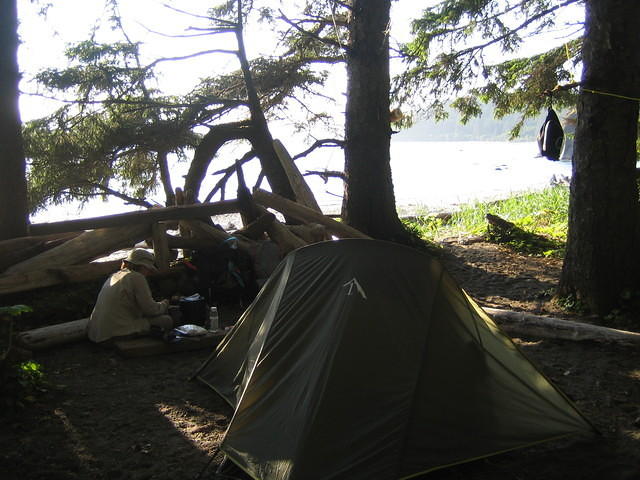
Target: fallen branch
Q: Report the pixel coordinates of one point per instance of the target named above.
(522, 323)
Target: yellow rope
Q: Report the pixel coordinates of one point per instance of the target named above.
(597, 92)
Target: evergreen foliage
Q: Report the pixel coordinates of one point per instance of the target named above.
(465, 52)
(114, 132)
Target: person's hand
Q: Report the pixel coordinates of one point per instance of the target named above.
(165, 302)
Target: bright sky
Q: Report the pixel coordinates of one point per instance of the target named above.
(67, 21)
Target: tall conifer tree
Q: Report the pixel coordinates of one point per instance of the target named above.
(13, 186)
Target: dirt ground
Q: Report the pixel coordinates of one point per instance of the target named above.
(108, 417)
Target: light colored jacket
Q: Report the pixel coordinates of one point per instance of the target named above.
(122, 308)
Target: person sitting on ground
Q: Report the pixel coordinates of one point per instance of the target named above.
(125, 306)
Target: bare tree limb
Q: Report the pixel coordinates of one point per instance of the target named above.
(195, 15)
(327, 142)
(193, 55)
(512, 31)
(227, 174)
(205, 33)
(326, 174)
(123, 196)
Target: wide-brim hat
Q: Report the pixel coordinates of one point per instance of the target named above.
(143, 258)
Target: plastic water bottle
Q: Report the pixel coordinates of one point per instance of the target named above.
(214, 321)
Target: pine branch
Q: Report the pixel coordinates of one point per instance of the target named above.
(327, 142)
(513, 31)
(123, 196)
(326, 41)
(326, 174)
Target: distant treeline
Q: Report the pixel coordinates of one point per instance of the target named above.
(483, 128)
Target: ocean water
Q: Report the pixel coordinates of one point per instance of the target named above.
(437, 176)
(427, 176)
(441, 175)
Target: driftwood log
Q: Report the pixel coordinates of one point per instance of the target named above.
(500, 224)
(304, 195)
(255, 230)
(310, 233)
(519, 323)
(246, 207)
(160, 246)
(53, 335)
(215, 235)
(522, 323)
(305, 214)
(190, 243)
(280, 234)
(136, 218)
(83, 248)
(25, 281)
(19, 249)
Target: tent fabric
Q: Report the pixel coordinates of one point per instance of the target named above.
(363, 359)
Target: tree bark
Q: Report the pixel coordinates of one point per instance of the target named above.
(13, 184)
(369, 202)
(602, 247)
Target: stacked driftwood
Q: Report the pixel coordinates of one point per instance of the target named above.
(64, 252)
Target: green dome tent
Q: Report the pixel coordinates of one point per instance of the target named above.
(363, 359)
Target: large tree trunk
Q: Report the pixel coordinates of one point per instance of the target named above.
(602, 247)
(13, 185)
(369, 202)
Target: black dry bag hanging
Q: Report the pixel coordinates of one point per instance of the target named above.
(551, 136)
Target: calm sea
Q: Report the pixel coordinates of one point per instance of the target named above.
(427, 176)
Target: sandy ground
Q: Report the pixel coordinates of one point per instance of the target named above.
(103, 416)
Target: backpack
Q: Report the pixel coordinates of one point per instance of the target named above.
(551, 136)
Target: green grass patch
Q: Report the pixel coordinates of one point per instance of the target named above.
(540, 217)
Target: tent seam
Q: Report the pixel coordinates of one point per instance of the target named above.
(422, 367)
